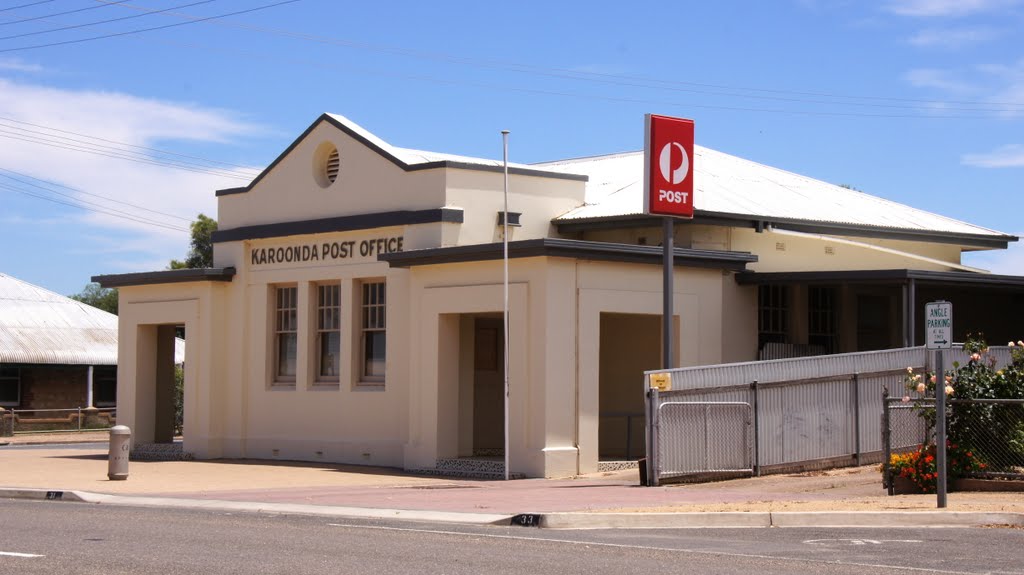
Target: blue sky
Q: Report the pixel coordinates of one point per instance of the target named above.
(918, 101)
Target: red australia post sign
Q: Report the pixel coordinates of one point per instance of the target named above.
(668, 166)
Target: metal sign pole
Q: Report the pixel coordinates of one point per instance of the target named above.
(667, 289)
(940, 428)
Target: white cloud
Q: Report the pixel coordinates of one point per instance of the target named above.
(945, 80)
(131, 120)
(1009, 156)
(952, 38)
(946, 8)
(18, 65)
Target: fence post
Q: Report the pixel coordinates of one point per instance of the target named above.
(886, 441)
(856, 417)
(757, 444)
(653, 463)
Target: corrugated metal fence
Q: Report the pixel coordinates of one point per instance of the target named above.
(807, 413)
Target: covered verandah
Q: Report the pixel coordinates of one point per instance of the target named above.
(862, 310)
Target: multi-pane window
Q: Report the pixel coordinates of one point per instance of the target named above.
(772, 314)
(104, 386)
(286, 336)
(328, 331)
(821, 318)
(373, 338)
(10, 386)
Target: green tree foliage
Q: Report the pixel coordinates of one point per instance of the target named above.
(98, 297)
(200, 254)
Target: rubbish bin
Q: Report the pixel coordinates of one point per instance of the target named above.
(117, 461)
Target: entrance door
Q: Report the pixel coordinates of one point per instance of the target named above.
(488, 387)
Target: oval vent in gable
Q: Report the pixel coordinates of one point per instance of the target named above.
(326, 164)
(333, 163)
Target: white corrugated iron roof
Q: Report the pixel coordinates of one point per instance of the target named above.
(38, 326)
(726, 184)
(415, 157)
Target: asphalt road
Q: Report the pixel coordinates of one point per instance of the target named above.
(74, 538)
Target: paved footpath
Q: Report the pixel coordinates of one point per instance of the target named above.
(842, 496)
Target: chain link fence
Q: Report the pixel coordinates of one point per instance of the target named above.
(985, 437)
(696, 441)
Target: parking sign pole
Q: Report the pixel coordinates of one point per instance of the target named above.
(940, 428)
(938, 329)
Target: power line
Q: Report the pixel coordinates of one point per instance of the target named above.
(45, 16)
(98, 211)
(139, 31)
(25, 5)
(617, 79)
(98, 22)
(586, 96)
(36, 140)
(109, 210)
(146, 148)
(86, 146)
(81, 191)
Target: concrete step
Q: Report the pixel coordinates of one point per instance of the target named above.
(160, 452)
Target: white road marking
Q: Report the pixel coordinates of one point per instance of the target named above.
(859, 541)
(13, 554)
(650, 548)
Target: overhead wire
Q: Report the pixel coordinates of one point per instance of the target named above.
(94, 210)
(43, 137)
(29, 138)
(125, 144)
(65, 13)
(108, 21)
(154, 28)
(81, 191)
(9, 8)
(619, 79)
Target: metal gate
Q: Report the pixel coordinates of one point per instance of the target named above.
(689, 438)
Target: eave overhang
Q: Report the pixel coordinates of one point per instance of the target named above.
(981, 241)
(165, 277)
(575, 249)
(891, 276)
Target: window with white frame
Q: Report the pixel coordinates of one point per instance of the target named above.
(286, 335)
(328, 331)
(10, 387)
(373, 339)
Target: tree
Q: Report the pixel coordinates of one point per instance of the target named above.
(200, 254)
(98, 297)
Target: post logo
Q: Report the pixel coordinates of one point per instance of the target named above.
(677, 174)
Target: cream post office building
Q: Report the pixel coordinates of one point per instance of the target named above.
(355, 310)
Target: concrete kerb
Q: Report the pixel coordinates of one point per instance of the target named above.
(574, 520)
(258, 507)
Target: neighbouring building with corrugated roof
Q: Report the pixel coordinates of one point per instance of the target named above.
(355, 310)
(55, 352)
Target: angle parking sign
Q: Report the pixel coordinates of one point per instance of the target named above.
(938, 324)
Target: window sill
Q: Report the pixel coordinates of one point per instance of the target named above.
(282, 386)
(369, 386)
(325, 386)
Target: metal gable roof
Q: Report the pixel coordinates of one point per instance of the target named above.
(38, 326)
(731, 186)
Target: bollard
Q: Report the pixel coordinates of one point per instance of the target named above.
(117, 462)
